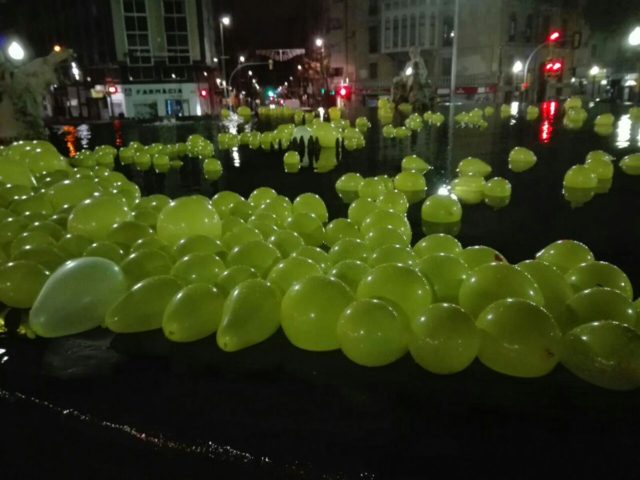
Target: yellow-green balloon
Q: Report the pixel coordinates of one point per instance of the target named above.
(310, 311)
(198, 267)
(308, 226)
(349, 272)
(565, 254)
(96, 216)
(20, 283)
(473, 166)
(292, 270)
(251, 314)
(437, 243)
(445, 274)
(497, 192)
(469, 189)
(257, 254)
(145, 263)
(77, 297)
(188, 216)
(480, 255)
(193, 313)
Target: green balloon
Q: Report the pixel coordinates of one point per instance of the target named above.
(398, 254)
(519, 338)
(199, 244)
(36, 203)
(315, 254)
(261, 196)
(394, 201)
(630, 164)
(440, 208)
(310, 311)
(234, 276)
(146, 263)
(193, 313)
(350, 272)
(96, 216)
(142, 308)
(49, 228)
(76, 297)
(292, 270)
(71, 192)
(188, 216)
(224, 201)
(360, 209)
(20, 283)
(129, 232)
(469, 189)
(199, 267)
(30, 239)
(338, 229)
(47, 256)
(212, 169)
(308, 226)
(473, 166)
(291, 162)
(600, 164)
(372, 333)
(312, 204)
(399, 284)
(286, 242)
(385, 218)
(280, 207)
(73, 245)
(105, 249)
(480, 255)
(257, 254)
(599, 274)
(153, 243)
(413, 163)
(491, 282)
(497, 192)
(444, 340)
(604, 353)
(445, 273)
(156, 202)
(437, 243)
(565, 255)
(251, 314)
(349, 249)
(382, 236)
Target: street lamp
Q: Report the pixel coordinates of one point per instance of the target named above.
(319, 42)
(15, 51)
(517, 67)
(241, 59)
(634, 37)
(250, 73)
(595, 70)
(225, 21)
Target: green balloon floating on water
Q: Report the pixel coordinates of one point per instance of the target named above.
(20, 283)
(96, 216)
(251, 314)
(76, 297)
(193, 313)
(188, 216)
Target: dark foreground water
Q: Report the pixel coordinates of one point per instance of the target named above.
(136, 406)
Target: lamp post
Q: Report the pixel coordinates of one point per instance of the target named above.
(225, 21)
(553, 37)
(320, 44)
(516, 69)
(595, 70)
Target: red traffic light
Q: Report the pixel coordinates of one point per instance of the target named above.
(554, 36)
(204, 93)
(112, 89)
(345, 92)
(553, 67)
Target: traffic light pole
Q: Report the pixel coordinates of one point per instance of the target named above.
(526, 68)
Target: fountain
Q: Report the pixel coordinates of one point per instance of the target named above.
(412, 85)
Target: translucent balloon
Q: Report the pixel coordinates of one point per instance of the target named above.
(188, 216)
(388, 131)
(47, 256)
(579, 185)
(338, 229)
(350, 272)
(473, 166)
(630, 164)
(599, 303)
(518, 338)
(565, 254)
(445, 274)
(96, 216)
(251, 314)
(312, 204)
(143, 307)
(199, 267)
(497, 192)
(310, 311)
(601, 166)
(291, 162)
(212, 169)
(234, 276)
(145, 263)
(326, 134)
(441, 209)
(411, 184)
(280, 207)
(76, 297)
(437, 243)
(193, 313)
(444, 340)
(360, 209)
(257, 254)
(599, 274)
(73, 245)
(469, 189)
(198, 244)
(349, 249)
(385, 218)
(348, 186)
(491, 282)
(604, 353)
(71, 192)
(30, 239)
(308, 227)
(399, 284)
(105, 249)
(153, 243)
(371, 188)
(394, 201)
(129, 232)
(413, 163)
(372, 333)
(292, 270)
(20, 283)
(555, 289)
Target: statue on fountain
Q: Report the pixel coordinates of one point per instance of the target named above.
(22, 89)
(413, 85)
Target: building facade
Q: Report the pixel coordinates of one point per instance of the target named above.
(369, 43)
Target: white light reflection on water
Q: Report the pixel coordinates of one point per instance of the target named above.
(235, 154)
(83, 132)
(3, 357)
(623, 132)
(515, 107)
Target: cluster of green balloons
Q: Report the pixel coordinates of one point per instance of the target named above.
(582, 182)
(473, 118)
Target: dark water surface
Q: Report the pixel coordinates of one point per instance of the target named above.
(140, 407)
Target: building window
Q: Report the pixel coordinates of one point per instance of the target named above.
(373, 71)
(513, 25)
(446, 67)
(136, 32)
(447, 31)
(412, 30)
(176, 32)
(373, 39)
(387, 6)
(404, 31)
(396, 32)
(373, 8)
(387, 33)
(528, 28)
(432, 30)
(422, 29)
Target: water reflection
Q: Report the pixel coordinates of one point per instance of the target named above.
(69, 132)
(549, 109)
(623, 132)
(117, 131)
(84, 134)
(235, 155)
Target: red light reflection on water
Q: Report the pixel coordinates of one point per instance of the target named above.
(549, 109)
(117, 130)
(70, 139)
